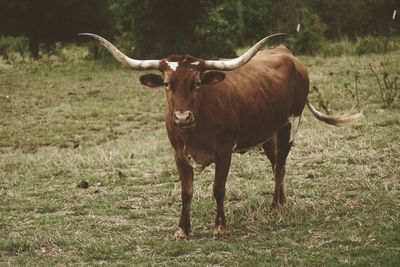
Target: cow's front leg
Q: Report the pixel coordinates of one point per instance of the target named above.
(222, 165)
(186, 176)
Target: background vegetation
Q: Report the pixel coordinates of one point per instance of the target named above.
(204, 28)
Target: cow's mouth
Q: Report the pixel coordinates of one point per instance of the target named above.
(186, 125)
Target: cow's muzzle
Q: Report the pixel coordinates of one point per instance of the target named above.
(183, 119)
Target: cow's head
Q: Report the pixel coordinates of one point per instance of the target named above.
(183, 77)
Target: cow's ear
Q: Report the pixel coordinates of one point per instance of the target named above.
(212, 77)
(151, 80)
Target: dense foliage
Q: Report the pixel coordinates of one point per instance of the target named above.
(158, 28)
(48, 21)
(205, 28)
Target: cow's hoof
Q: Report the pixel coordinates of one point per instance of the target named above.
(276, 206)
(219, 231)
(273, 208)
(180, 234)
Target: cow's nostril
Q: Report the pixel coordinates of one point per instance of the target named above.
(184, 118)
(175, 115)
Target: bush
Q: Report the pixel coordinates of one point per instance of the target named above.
(368, 45)
(363, 45)
(338, 48)
(9, 44)
(310, 38)
(306, 42)
(217, 35)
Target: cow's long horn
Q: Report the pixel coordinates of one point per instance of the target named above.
(123, 59)
(243, 59)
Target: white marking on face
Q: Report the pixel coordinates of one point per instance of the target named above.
(172, 65)
(195, 63)
(294, 125)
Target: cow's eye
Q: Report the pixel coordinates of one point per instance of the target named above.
(198, 84)
(166, 85)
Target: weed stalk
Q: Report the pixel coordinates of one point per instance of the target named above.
(388, 92)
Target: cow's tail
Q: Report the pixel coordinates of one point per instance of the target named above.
(337, 120)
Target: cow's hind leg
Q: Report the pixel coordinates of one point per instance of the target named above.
(269, 149)
(277, 150)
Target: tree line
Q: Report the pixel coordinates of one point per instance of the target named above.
(204, 28)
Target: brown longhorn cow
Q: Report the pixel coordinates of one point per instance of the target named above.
(217, 107)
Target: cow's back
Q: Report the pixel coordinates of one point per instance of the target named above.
(257, 99)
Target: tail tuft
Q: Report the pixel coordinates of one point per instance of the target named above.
(336, 120)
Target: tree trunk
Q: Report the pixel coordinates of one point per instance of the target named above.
(96, 52)
(239, 10)
(34, 47)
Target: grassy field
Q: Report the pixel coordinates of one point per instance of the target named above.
(62, 123)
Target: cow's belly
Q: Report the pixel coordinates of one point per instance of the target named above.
(244, 147)
(258, 132)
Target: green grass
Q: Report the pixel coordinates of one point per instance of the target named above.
(66, 122)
